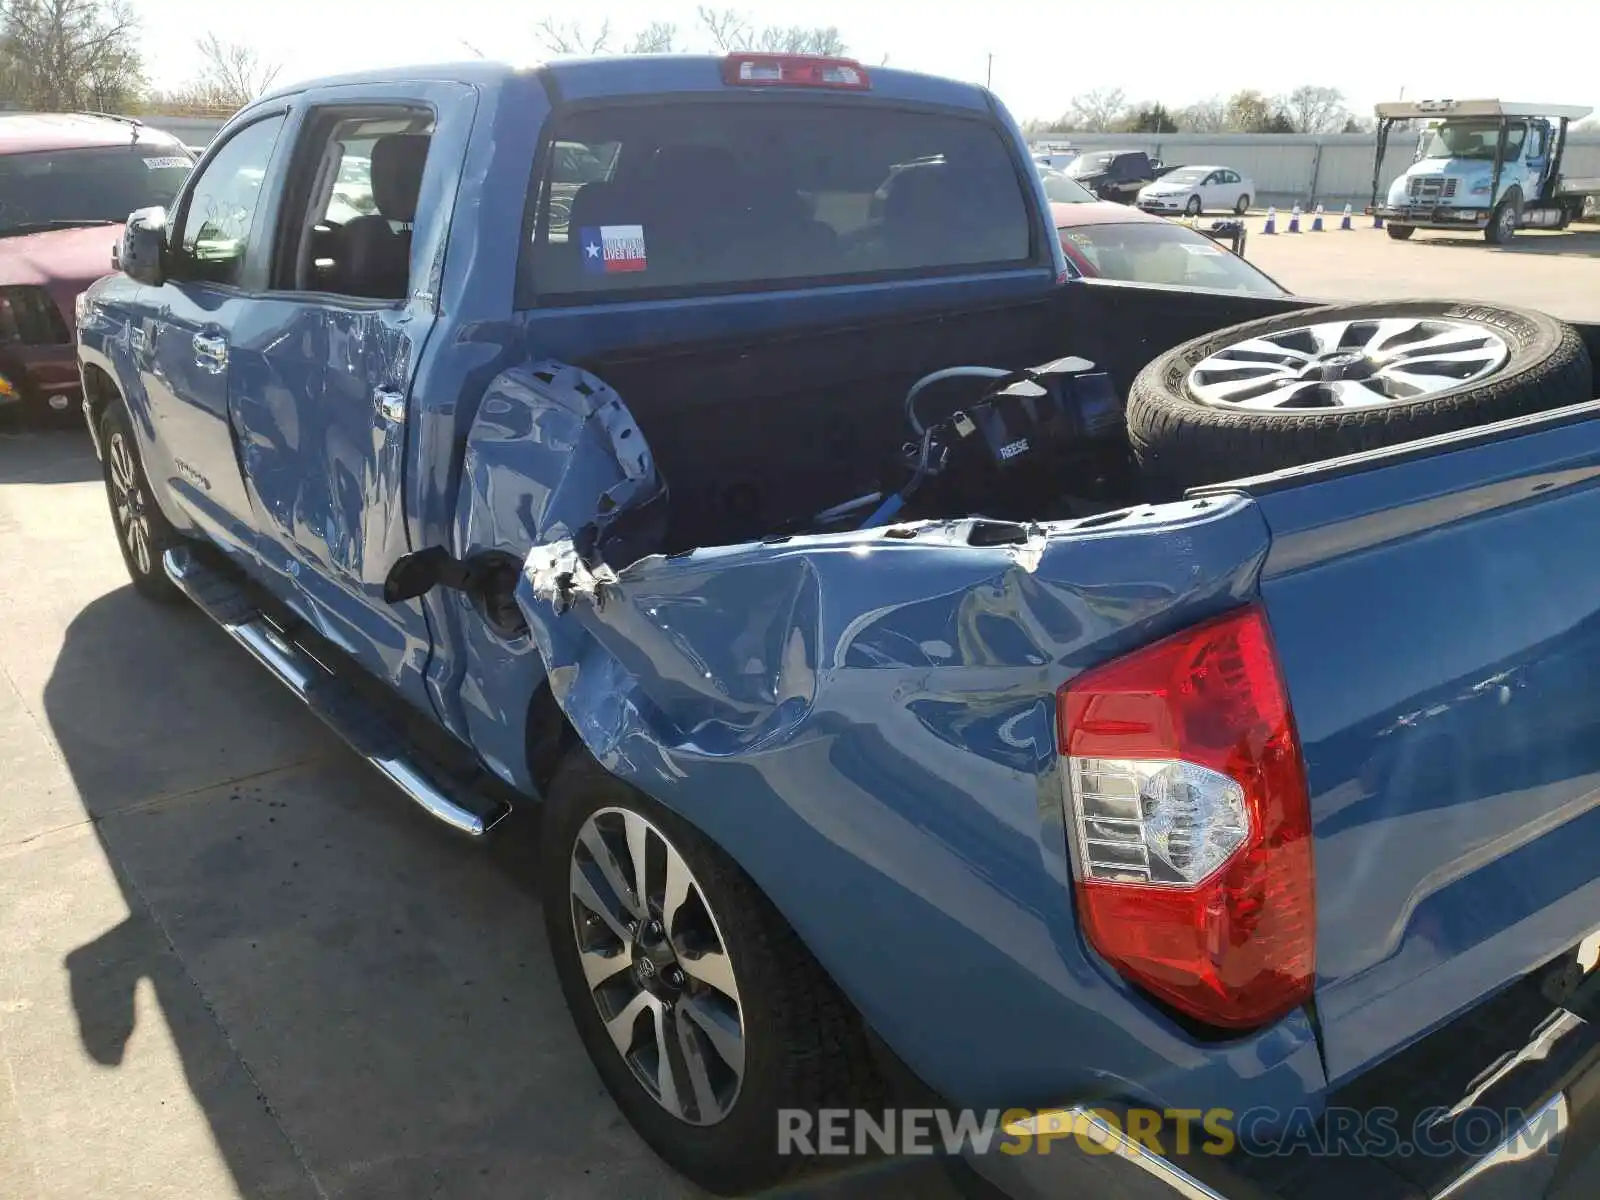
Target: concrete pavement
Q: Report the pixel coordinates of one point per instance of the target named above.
(1556, 272)
(233, 961)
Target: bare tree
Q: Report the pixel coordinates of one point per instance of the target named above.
(727, 29)
(1204, 116)
(1097, 111)
(69, 54)
(232, 73)
(568, 39)
(658, 37)
(797, 39)
(1316, 109)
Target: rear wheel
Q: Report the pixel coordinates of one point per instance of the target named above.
(1243, 206)
(143, 533)
(703, 1012)
(1400, 233)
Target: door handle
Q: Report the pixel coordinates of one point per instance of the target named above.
(391, 404)
(210, 352)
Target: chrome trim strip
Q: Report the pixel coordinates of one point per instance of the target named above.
(296, 671)
(1179, 1182)
(1507, 1172)
(94, 431)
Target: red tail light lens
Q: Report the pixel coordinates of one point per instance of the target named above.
(794, 70)
(1190, 824)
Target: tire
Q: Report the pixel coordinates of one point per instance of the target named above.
(1193, 207)
(1401, 233)
(803, 1045)
(1502, 225)
(143, 533)
(1242, 207)
(1181, 440)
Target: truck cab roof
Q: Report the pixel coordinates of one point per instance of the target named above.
(646, 74)
(1400, 110)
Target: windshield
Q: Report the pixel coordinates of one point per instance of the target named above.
(1060, 189)
(46, 189)
(1090, 164)
(1473, 139)
(1185, 175)
(1161, 252)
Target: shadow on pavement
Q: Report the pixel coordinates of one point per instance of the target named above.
(360, 999)
(1574, 243)
(45, 451)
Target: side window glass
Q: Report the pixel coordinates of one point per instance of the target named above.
(1536, 143)
(222, 205)
(358, 179)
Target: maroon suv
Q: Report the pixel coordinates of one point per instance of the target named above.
(67, 183)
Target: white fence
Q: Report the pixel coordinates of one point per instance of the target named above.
(193, 131)
(1291, 168)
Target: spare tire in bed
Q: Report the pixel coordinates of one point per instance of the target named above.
(1342, 378)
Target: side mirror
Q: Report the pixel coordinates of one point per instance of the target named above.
(144, 245)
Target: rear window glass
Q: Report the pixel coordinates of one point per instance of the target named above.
(706, 197)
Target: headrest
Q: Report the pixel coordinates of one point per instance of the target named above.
(397, 161)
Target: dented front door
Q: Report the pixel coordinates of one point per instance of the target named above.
(321, 390)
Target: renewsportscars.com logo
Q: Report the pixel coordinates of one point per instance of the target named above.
(1169, 1133)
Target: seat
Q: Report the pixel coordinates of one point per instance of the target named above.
(940, 213)
(374, 259)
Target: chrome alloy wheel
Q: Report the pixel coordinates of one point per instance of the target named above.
(128, 503)
(656, 965)
(1348, 364)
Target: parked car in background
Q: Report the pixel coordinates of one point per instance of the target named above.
(1199, 189)
(1109, 241)
(1055, 157)
(1061, 188)
(67, 184)
(1115, 174)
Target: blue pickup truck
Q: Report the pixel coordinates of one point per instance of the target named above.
(937, 681)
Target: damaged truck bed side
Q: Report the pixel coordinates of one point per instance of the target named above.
(620, 446)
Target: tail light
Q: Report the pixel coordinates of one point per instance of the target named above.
(1191, 829)
(795, 70)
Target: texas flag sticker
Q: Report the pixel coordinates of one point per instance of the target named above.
(610, 248)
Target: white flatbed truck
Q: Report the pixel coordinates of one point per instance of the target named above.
(1491, 165)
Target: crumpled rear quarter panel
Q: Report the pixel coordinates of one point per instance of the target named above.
(866, 724)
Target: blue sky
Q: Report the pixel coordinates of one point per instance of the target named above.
(1044, 53)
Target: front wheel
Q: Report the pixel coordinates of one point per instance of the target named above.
(703, 1012)
(143, 533)
(1193, 207)
(1502, 225)
(1401, 233)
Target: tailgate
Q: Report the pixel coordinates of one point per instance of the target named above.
(1437, 614)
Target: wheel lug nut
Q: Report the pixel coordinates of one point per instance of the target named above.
(674, 976)
(654, 929)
